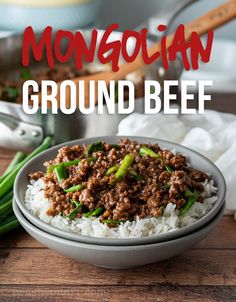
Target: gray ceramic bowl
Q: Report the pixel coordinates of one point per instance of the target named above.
(116, 257)
(198, 161)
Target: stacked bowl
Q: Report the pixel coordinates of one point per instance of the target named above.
(111, 252)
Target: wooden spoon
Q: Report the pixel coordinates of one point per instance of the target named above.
(212, 20)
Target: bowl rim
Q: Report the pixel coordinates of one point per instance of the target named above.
(28, 225)
(120, 241)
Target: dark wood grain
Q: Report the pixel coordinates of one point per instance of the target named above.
(196, 267)
(31, 272)
(158, 293)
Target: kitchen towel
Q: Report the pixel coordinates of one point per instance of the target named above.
(212, 134)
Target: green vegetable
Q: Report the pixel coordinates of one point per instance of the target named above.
(7, 184)
(4, 217)
(115, 146)
(94, 147)
(3, 176)
(166, 186)
(5, 207)
(96, 212)
(147, 151)
(25, 74)
(169, 169)
(135, 175)
(76, 203)
(8, 220)
(124, 167)
(12, 93)
(6, 212)
(74, 188)
(91, 159)
(9, 225)
(66, 164)
(192, 198)
(111, 170)
(74, 213)
(50, 169)
(110, 221)
(72, 163)
(16, 160)
(61, 172)
(6, 197)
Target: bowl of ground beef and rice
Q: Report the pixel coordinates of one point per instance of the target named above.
(120, 191)
(119, 256)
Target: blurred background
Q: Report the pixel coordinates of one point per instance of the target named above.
(74, 14)
(87, 14)
(222, 69)
(131, 13)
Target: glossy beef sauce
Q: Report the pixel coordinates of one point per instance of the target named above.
(119, 182)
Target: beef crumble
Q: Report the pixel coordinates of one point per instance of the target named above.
(119, 182)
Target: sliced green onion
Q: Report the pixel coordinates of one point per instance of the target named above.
(12, 93)
(189, 193)
(147, 151)
(66, 164)
(77, 204)
(166, 186)
(91, 159)
(192, 198)
(123, 169)
(169, 169)
(25, 74)
(96, 212)
(115, 146)
(94, 147)
(61, 172)
(74, 188)
(135, 175)
(74, 212)
(7, 184)
(50, 169)
(111, 170)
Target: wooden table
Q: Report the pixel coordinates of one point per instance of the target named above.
(31, 272)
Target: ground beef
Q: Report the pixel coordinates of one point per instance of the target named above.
(149, 185)
(36, 175)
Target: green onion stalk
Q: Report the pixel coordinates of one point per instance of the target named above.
(8, 220)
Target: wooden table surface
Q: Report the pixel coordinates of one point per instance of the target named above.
(31, 272)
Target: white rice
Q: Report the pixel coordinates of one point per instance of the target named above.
(38, 205)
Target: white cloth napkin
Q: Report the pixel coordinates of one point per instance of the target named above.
(213, 134)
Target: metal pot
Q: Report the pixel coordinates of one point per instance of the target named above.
(22, 131)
